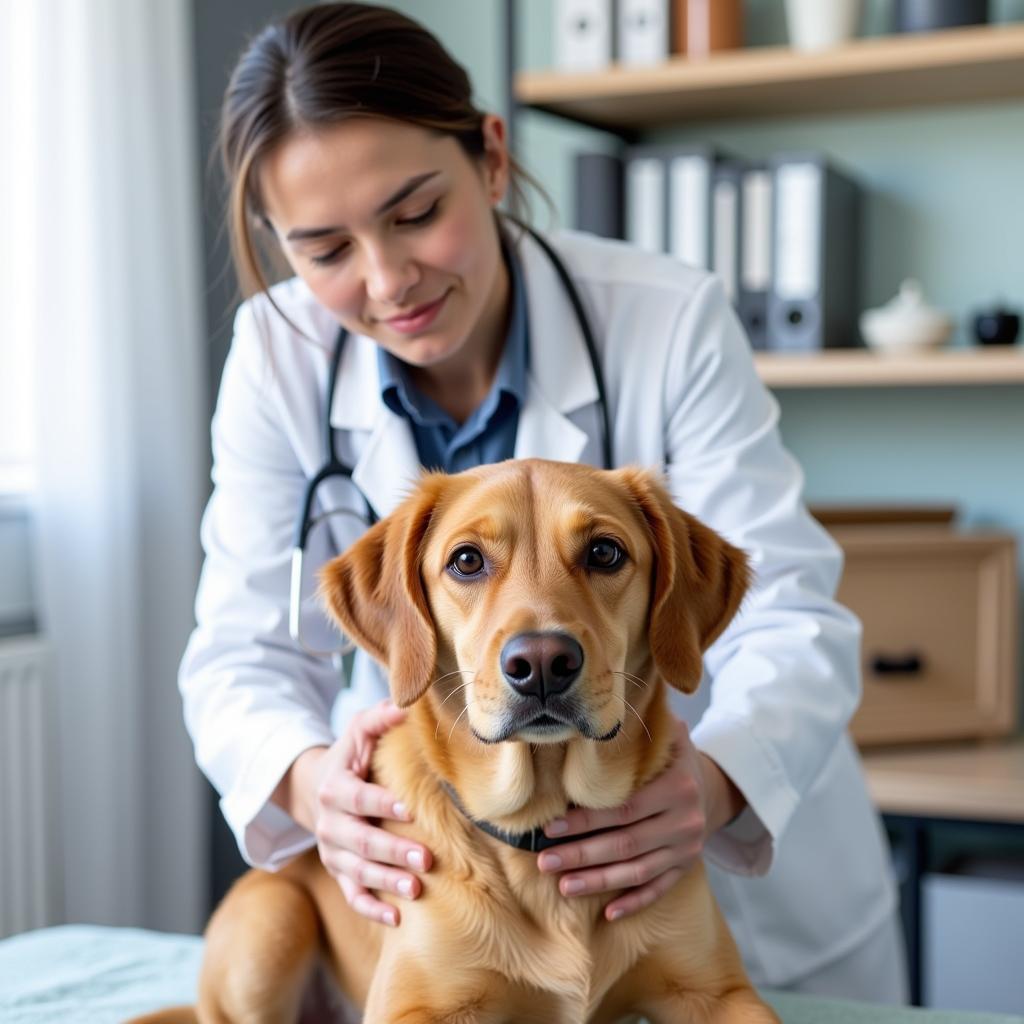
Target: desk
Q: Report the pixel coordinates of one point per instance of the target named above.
(978, 785)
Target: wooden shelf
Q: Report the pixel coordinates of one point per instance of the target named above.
(957, 65)
(845, 368)
(980, 782)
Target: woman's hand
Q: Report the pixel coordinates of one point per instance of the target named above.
(361, 856)
(661, 833)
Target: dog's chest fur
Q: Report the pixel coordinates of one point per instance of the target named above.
(501, 912)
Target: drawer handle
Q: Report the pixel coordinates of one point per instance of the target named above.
(890, 665)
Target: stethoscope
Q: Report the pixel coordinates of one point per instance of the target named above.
(334, 467)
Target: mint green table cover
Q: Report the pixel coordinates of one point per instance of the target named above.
(84, 974)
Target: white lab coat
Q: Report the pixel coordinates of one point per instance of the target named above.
(683, 395)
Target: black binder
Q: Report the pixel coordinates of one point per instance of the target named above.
(599, 199)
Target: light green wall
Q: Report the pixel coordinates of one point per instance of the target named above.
(945, 203)
(471, 31)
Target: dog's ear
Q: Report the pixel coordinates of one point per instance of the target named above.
(699, 580)
(375, 592)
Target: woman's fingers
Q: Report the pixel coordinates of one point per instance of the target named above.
(660, 815)
(370, 843)
(582, 819)
(365, 728)
(630, 874)
(362, 857)
(352, 795)
(345, 825)
(637, 899)
(649, 842)
(674, 788)
(365, 903)
(370, 875)
(376, 720)
(679, 832)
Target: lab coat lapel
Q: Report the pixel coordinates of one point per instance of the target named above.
(544, 433)
(561, 378)
(387, 464)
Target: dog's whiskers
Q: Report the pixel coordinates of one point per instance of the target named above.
(456, 722)
(452, 694)
(643, 724)
(454, 672)
(635, 680)
(456, 690)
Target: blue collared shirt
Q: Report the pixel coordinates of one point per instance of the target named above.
(489, 434)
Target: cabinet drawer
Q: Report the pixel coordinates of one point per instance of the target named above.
(939, 610)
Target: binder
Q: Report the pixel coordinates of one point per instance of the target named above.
(644, 31)
(646, 200)
(703, 27)
(691, 171)
(814, 298)
(599, 199)
(669, 200)
(584, 31)
(726, 221)
(755, 252)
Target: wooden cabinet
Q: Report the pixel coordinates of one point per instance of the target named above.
(973, 782)
(939, 611)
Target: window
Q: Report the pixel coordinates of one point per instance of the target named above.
(16, 447)
(18, 120)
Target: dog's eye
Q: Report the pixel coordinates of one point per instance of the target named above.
(466, 561)
(604, 554)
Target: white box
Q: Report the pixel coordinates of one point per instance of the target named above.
(643, 32)
(584, 31)
(972, 955)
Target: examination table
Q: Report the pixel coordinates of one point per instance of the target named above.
(84, 974)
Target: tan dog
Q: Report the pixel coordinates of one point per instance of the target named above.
(528, 613)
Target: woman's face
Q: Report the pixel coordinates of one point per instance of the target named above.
(391, 227)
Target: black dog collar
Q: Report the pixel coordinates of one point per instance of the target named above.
(533, 841)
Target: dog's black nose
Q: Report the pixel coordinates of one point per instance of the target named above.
(541, 664)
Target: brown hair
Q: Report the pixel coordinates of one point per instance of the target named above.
(325, 64)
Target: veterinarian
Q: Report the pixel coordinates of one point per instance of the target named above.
(355, 154)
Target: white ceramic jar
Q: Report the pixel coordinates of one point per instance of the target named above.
(821, 24)
(906, 323)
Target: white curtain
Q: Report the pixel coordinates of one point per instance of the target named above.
(110, 265)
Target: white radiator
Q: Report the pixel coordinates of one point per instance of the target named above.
(26, 821)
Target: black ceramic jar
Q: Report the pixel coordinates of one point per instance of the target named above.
(997, 327)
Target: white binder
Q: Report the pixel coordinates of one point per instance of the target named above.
(691, 180)
(798, 232)
(814, 298)
(756, 253)
(584, 31)
(643, 31)
(645, 202)
(669, 201)
(726, 214)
